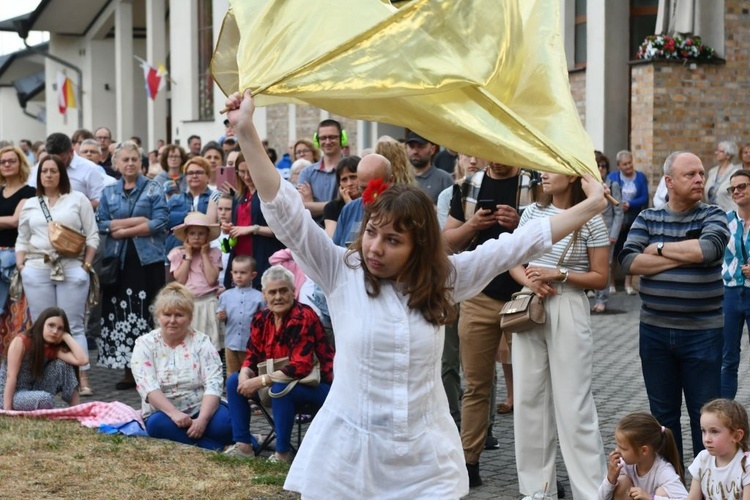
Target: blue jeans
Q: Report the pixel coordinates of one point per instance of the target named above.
(284, 410)
(736, 314)
(217, 435)
(676, 361)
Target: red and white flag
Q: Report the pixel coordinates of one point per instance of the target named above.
(66, 96)
(155, 78)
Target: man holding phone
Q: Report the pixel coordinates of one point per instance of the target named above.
(736, 274)
(678, 251)
(484, 206)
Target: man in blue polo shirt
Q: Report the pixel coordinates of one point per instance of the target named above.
(317, 182)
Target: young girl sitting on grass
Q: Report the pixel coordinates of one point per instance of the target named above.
(645, 465)
(721, 471)
(196, 265)
(39, 364)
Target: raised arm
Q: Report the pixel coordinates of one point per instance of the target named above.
(265, 176)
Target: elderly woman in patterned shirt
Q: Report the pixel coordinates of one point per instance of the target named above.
(178, 374)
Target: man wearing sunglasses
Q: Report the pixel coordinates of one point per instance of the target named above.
(678, 251)
(736, 274)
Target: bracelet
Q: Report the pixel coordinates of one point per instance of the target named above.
(88, 266)
(263, 381)
(185, 257)
(255, 229)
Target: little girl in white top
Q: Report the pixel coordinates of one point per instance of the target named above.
(645, 464)
(721, 471)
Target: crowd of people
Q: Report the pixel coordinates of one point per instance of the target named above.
(234, 281)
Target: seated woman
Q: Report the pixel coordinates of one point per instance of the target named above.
(178, 374)
(39, 365)
(284, 328)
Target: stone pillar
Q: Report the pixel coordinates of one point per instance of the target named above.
(607, 76)
(156, 54)
(124, 64)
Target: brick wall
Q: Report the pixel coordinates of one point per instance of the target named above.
(693, 107)
(277, 123)
(307, 119)
(578, 90)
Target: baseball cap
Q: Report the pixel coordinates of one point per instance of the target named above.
(414, 137)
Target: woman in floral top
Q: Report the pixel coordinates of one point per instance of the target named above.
(178, 374)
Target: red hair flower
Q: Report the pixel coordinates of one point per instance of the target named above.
(374, 189)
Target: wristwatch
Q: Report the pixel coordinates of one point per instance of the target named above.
(660, 248)
(564, 272)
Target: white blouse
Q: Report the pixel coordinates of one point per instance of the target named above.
(385, 430)
(72, 209)
(184, 373)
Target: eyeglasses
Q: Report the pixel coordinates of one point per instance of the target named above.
(175, 157)
(324, 138)
(739, 187)
(9, 161)
(195, 173)
(301, 152)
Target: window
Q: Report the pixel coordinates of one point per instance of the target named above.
(205, 50)
(642, 22)
(579, 35)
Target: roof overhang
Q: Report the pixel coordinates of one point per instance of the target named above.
(30, 88)
(22, 63)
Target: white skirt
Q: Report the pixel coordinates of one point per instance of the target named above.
(204, 319)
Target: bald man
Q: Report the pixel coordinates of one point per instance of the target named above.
(372, 166)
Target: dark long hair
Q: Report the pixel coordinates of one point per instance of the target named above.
(642, 429)
(428, 274)
(348, 163)
(36, 334)
(63, 185)
(578, 196)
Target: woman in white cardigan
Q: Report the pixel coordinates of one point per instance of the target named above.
(49, 279)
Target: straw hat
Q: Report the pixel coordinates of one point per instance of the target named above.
(199, 220)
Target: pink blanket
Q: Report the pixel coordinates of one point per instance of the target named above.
(91, 414)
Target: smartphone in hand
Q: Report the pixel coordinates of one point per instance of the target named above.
(487, 205)
(226, 174)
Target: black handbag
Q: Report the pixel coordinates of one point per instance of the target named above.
(110, 268)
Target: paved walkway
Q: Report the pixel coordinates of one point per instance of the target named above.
(618, 390)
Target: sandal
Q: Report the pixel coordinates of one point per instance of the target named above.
(598, 308)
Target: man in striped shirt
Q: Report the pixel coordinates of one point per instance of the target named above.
(678, 251)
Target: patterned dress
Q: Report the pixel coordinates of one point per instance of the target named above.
(127, 309)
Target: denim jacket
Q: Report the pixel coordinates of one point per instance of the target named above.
(150, 203)
(182, 203)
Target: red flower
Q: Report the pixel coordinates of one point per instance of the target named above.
(374, 189)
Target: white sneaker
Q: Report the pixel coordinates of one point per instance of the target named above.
(236, 452)
(590, 294)
(612, 290)
(629, 290)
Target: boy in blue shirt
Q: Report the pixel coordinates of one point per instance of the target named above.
(237, 306)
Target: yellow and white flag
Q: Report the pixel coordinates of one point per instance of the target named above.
(484, 77)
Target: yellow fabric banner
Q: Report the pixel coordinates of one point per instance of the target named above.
(484, 77)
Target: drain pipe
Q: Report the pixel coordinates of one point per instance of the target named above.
(31, 114)
(77, 71)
